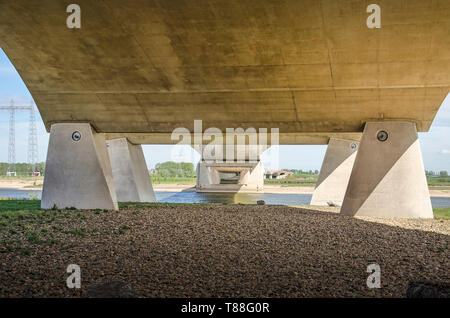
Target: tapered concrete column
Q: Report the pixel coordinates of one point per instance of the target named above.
(335, 172)
(206, 175)
(130, 173)
(78, 172)
(253, 178)
(388, 177)
(230, 177)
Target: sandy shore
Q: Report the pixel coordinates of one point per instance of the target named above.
(27, 184)
(174, 187)
(21, 184)
(440, 193)
(269, 189)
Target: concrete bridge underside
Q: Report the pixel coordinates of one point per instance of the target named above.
(139, 69)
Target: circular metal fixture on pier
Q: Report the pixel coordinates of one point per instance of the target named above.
(76, 136)
(382, 135)
(353, 145)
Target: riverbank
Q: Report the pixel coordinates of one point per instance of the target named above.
(267, 189)
(275, 189)
(25, 183)
(28, 184)
(214, 250)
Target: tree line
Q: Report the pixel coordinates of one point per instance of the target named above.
(170, 169)
(301, 172)
(442, 174)
(22, 169)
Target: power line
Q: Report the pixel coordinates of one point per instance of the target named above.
(33, 155)
(12, 141)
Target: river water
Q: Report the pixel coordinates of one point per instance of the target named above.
(194, 197)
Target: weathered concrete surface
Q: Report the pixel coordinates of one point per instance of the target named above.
(210, 177)
(335, 172)
(388, 177)
(77, 173)
(147, 67)
(131, 178)
(206, 175)
(283, 138)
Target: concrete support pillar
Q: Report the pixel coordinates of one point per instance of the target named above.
(206, 175)
(130, 173)
(230, 177)
(388, 177)
(335, 172)
(78, 171)
(253, 178)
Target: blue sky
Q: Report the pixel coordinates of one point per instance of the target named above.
(435, 144)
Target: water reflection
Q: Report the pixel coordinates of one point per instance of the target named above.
(230, 198)
(243, 198)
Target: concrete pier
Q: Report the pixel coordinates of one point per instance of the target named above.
(230, 177)
(335, 172)
(131, 178)
(388, 176)
(78, 171)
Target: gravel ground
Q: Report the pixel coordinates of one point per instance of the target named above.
(220, 251)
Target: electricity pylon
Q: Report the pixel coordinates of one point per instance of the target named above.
(32, 137)
(33, 154)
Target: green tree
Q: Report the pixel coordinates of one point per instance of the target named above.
(22, 169)
(443, 174)
(170, 169)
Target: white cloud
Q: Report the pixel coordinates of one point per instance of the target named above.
(445, 151)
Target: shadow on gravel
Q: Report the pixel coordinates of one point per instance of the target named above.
(211, 250)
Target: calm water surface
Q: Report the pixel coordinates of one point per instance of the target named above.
(193, 197)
